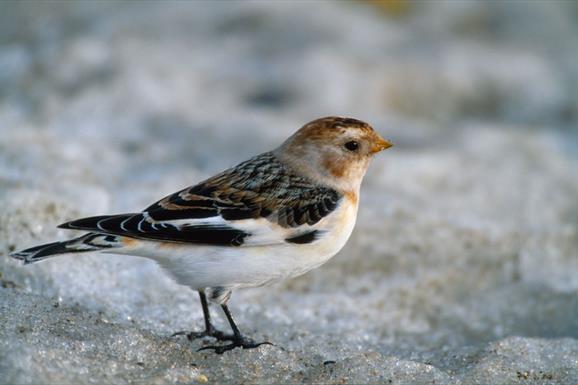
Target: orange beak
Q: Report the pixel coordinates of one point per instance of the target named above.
(380, 144)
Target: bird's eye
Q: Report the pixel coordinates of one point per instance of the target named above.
(351, 145)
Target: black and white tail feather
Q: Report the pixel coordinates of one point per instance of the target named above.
(85, 243)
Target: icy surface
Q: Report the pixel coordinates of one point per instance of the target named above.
(462, 267)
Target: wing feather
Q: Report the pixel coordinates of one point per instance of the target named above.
(258, 202)
(137, 226)
(258, 188)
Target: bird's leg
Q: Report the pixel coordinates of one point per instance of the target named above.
(238, 339)
(210, 330)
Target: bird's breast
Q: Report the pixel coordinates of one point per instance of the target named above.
(295, 259)
(336, 229)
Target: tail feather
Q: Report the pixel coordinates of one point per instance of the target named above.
(86, 243)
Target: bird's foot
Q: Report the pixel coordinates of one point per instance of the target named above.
(212, 332)
(245, 343)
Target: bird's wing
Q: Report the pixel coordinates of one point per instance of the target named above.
(255, 203)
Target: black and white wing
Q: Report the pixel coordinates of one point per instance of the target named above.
(258, 202)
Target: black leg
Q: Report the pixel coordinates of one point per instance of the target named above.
(232, 322)
(238, 340)
(210, 330)
(206, 312)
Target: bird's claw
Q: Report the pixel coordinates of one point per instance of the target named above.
(244, 343)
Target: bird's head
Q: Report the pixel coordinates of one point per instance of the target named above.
(335, 151)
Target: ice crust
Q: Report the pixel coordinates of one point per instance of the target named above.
(462, 267)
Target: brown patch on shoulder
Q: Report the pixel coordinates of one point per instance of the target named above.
(351, 196)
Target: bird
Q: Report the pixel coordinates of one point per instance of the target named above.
(272, 217)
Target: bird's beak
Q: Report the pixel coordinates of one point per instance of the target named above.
(380, 144)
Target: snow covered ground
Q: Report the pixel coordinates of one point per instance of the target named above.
(463, 265)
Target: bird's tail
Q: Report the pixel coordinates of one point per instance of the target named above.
(88, 242)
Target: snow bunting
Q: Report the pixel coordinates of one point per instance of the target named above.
(272, 217)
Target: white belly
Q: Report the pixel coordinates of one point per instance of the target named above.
(200, 267)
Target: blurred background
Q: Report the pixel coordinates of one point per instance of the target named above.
(467, 234)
